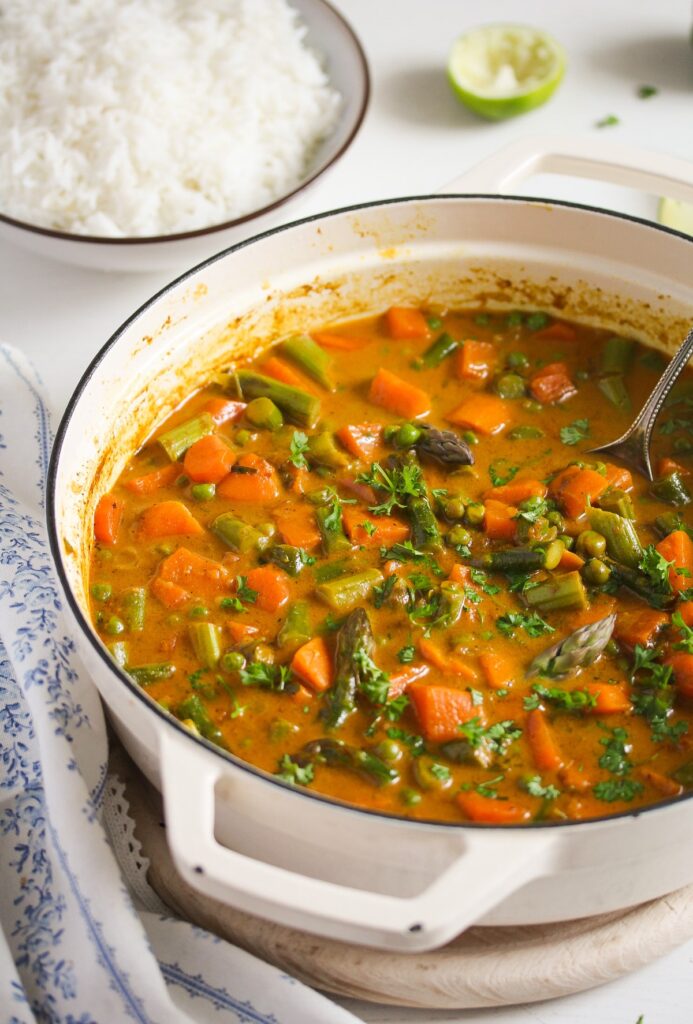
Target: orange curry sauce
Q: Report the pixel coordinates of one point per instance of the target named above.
(333, 591)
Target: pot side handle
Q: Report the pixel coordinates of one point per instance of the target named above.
(582, 157)
(483, 874)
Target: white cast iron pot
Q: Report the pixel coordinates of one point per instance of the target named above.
(241, 835)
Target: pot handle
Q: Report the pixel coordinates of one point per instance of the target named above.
(484, 872)
(582, 157)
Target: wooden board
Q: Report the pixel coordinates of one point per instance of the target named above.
(483, 967)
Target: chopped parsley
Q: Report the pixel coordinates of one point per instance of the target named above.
(486, 788)
(368, 526)
(502, 472)
(535, 787)
(686, 641)
(244, 592)
(532, 624)
(415, 743)
(399, 483)
(479, 577)
(566, 700)
(296, 774)
(440, 771)
(575, 432)
(644, 93)
(373, 682)
(496, 738)
(608, 121)
(656, 568)
(405, 654)
(232, 604)
(267, 676)
(615, 760)
(298, 447)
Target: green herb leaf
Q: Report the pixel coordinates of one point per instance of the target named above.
(578, 430)
(296, 774)
(608, 121)
(298, 447)
(535, 787)
(406, 654)
(244, 592)
(532, 623)
(502, 472)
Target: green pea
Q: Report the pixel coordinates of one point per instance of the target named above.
(513, 319)
(203, 492)
(517, 361)
(390, 433)
(407, 435)
(556, 519)
(165, 549)
(279, 728)
(567, 540)
(458, 536)
(535, 321)
(597, 572)
(266, 529)
(454, 508)
(198, 611)
(410, 797)
(434, 322)
(509, 385)
(591, 543)
(553, 553)
(232, 661)
(114, 626)
(530, 405)
(242, 437)
(389, 750)
(474, 513)
(470, 437)
(101, 591)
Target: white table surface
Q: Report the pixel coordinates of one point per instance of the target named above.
(417, 137)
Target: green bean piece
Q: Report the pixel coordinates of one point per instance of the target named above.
(119, 652)
(239, 535)
(511, 560)
(618, 501)
(307, 354)
(177, 440)
(622, 541)
(342, 594)
(354, 635)
(525, 433)
(510, 385)
(101, 591)
(331, 570)
(297, 405)
(134, 603)
(295, 629)
(263, 413)
(437, 351)
(206, 640)
(332, 532)
(193, 709)
(425, 534)
(617, 356)
(338, 754)
(287, 557)
(322, 448)
(203, 492)
(614, 388)
(672, 490)
(565, 591)
(145, 675)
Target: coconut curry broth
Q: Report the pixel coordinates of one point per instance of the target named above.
(353, 601)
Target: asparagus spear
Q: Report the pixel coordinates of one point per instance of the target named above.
(307, 354)
(297, 405)
(354, 635)
(581, 648)
(355, 759)
(444, 446)
(178, 439)
(622, 541)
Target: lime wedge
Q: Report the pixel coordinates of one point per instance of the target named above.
(674, 213)
(499, 71)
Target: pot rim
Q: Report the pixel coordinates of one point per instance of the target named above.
(169, 720)
(246, 218)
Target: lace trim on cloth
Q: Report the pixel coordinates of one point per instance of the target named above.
(120, 829)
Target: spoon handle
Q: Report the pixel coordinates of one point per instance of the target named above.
(644, 422)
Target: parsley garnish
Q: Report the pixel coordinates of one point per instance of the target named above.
(578, 430)
(496, 737)
(298, 447)
(368, 526)
(440, 771)
(231, 604)
(244, 592)
(269, 677)
(686, 642)
(532, 624)
(608, 121)
(617, 789)
(644, 93)
(399, 483)
(656, 568)
(296, 774)
(535, 787)
(415, 743)
(566, 700)
(373, 682)
(406, 654)
(381, 591)
(497, 476)
(616, 761)
(479, 577)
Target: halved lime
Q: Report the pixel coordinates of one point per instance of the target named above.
(499, 71)
(674, 213)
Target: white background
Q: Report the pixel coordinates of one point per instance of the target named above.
(416, 138)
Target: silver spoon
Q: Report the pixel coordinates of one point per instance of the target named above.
(633, 447)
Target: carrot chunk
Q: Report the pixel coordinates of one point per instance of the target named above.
(677, 548)
(151, 482)
(441, 710)
(208, 460)
(168, 519)
(201, 576)
(398, 396)
(107, 519)
(573, 488)
(297, 526)
(500, 670)
(272, 587)
(445, 662)
(373, 531)
(612, 698)
(499, 520)
(401, 681)
(665, 467)
(552, 384)
(557, 331)
(259, 482)
(169, 594)
(542, 742)
(406, 323)
(570, 560)
(240, 631)
(360, 439)
(281, 371)
(487, 414)
(639, 627)
(682, 665)
(223, 410)
(491, 812)
(313, 663)
(517, 491)
(686, 611)
(475, 360)
(340, 342)
(618, 476)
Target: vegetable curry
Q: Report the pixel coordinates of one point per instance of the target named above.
(380, 563)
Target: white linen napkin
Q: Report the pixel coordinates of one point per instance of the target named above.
(73, 946)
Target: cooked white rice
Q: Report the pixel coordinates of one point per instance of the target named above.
(147, 117)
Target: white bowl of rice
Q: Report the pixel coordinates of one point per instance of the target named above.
(144, 134)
